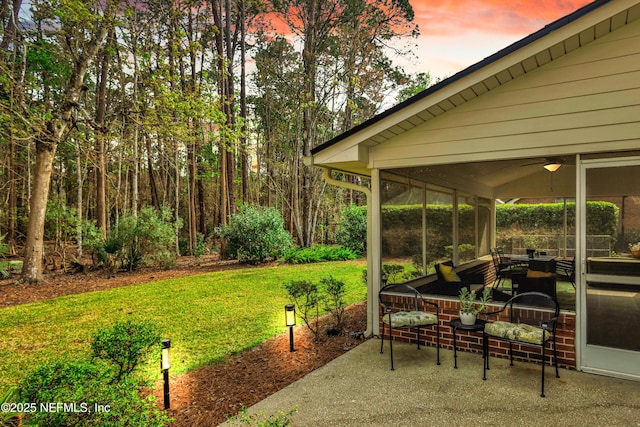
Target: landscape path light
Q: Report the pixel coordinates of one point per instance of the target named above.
(165, 365)
(290, 319)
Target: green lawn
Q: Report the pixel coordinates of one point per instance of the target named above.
(208, 317)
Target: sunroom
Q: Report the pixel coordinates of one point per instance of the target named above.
(565, 98)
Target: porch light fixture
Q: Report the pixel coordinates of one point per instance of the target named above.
(290, 320)
(552, 166)
(165, 365)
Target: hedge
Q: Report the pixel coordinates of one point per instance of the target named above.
(402, 225)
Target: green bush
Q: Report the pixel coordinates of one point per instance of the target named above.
(465, 251)
(92, 392)
(603, 217)
(306, 297)
(309, 297)
(334, 298)
(90, 397)
(255, 234)
(318, 253)
(125, 345)
(4, 248)
(146, 238)
(6, 267)
(352, 228)
(149, 237)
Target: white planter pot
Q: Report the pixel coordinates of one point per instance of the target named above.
(467, 318)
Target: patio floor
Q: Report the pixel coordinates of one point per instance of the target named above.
(359, 389)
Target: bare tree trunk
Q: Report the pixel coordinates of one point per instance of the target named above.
(192, 198)
(152, 181)
(13, 205)
(79, 202)
(34, 249)
(177, 200)
(10, 37)
(244, 155)
(101, 173)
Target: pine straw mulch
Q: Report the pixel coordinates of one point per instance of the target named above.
(209, 395)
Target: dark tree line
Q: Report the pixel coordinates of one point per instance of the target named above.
(195, 106)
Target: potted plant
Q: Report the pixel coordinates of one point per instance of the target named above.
(469, 308)
(635, 249)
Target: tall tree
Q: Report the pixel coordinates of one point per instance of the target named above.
(323, 26)
(101, 136)
(11, 51)
(84, 33)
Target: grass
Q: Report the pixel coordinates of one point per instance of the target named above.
(208, 317)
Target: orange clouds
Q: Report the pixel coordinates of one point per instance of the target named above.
(446, 17)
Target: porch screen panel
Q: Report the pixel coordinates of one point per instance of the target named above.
(439, 226)
(401, 230)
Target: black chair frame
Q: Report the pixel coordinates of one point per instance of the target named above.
(417, 301)
(527, 301)
(505, 268)
(566, 268)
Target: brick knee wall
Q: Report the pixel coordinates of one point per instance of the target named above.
(472, 341)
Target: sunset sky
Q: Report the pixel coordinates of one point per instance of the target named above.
(458, 33)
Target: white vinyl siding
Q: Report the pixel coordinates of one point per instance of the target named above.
(586, 101)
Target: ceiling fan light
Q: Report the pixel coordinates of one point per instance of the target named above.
(552, 166)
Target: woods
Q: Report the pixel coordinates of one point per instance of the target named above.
(195, 107)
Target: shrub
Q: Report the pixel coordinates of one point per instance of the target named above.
(92, 393)
(90, 398)
(352, 229)
(6, 267)
(148, 237)
(306, 298)
(4, 248)
(334, 300)
(319, 253)
(393, 272)
(465, 251)
(255, 234)
(125, 345)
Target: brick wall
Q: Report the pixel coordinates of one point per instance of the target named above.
(472, 341)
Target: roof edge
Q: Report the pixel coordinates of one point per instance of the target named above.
(547, 29)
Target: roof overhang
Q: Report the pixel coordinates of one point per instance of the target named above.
(349, 152)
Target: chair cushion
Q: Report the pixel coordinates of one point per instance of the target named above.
(448, 273)
(410, 318)
(516, 332)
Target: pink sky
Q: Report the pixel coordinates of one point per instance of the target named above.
(459, 33)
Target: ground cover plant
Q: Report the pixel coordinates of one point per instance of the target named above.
(208, 317)
(318, 253)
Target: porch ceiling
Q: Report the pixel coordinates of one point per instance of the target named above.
(526, 177)
(499, 179)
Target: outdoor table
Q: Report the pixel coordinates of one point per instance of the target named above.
(457, 324)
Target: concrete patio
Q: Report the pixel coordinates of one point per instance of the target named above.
(359, 389)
